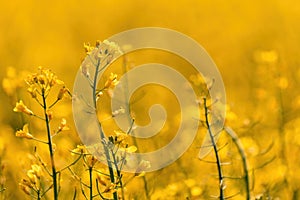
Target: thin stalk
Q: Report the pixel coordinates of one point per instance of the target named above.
(240, 148)
(54, 178)
(119, 174)
(131, 121)
(91, 182)
(38, 195)
(106, 152)
(73, 163)
(220, 174)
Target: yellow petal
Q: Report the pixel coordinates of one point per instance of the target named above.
(131, 149)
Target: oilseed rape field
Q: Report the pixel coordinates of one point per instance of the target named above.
(154, 100)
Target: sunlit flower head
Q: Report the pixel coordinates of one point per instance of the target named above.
(120, 138)
(24, 133)
(112, 81)
(44, 80)
(20, 107)
(88, 48)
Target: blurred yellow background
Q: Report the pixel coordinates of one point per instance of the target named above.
(255, 45)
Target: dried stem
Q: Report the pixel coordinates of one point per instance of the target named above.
(220, 174)
(54, 173)
(91, 182)
(240, 148)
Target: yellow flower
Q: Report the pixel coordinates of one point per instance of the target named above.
(32, 176)
(117, 112)
(24, 133)
(12, 81)
(111, 82)
(37, 170)
(44, 80)
(131, 149)
(88, 48)
(32, 92)
(91, 160)
(80, 149)
(50, 114)
(63, 125)
(120, 138)
(283, 83)
(24, 188)
(143, 165)
(20, 107)
(62, 92)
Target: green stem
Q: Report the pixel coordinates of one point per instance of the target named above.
(55, 193)
(221, 178)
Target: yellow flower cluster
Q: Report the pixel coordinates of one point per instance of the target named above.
(42, 81)
(88, 48)
(33, 179)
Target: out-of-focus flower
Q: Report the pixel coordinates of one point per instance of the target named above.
(270, 56)
(80, 149)
(12, 81)
(111, 82)
(85, 70)
(117, 112)
(50, 114)
(20, 107)
(143, 165)
(32, 92)
(53, 147)
(196, 191)
(37, 170)
(32, 181)
(197, 79)
(62, 92)
(24, 185)
(24, 133)
(283, 83)
(32, 177)
(63, 125)
(91, 161)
